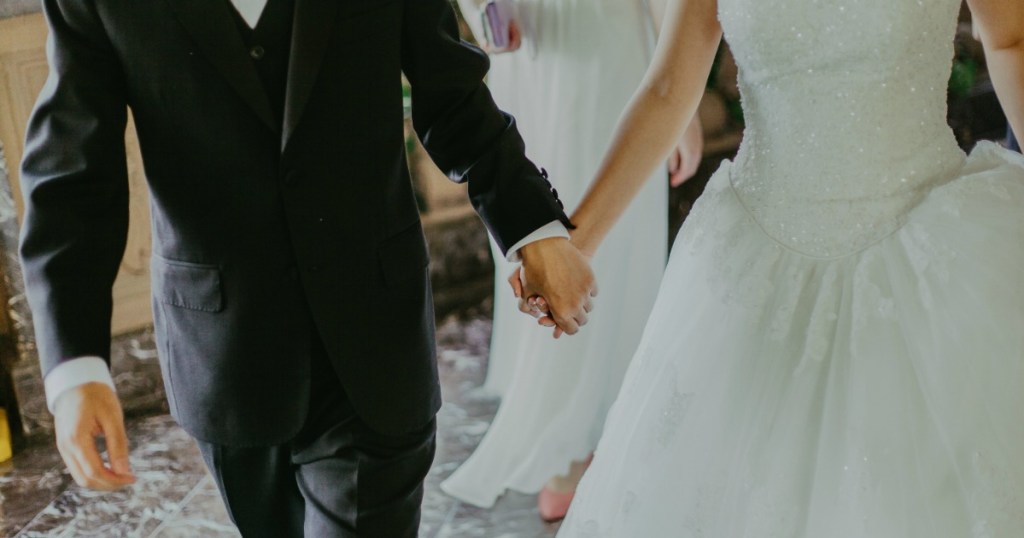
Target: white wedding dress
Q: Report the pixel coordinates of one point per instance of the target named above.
(837, 349)
(567, 88)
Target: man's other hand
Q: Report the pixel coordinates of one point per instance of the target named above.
(82, 415)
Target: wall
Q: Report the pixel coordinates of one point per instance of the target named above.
(13, 8)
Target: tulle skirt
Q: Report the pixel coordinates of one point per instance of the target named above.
(877, 395)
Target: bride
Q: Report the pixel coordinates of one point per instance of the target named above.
(837, 349)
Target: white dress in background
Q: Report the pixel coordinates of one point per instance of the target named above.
(590, 56)
(837, 350)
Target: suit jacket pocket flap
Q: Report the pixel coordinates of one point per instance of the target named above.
(187, 285)
(403, 255)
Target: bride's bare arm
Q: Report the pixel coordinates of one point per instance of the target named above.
(685, 159)
(656, 116)
(1001, 24)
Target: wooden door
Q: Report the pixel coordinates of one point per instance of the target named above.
(23, 71)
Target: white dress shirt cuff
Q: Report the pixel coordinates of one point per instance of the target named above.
(548, 231)
(74, 373)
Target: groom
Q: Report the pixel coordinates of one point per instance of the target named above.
(290, 284)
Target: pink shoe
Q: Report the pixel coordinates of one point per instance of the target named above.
(553, 505)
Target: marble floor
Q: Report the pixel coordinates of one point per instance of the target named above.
(175, 497)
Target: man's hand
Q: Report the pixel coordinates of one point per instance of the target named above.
(81, 415)
(555, 279)
(685, 160)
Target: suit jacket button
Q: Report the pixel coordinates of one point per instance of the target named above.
(257, 52)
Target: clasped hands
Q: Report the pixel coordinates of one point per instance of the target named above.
(555, 284)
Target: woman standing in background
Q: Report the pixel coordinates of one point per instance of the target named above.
(578, 65)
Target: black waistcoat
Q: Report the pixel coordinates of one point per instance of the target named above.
(269, 45)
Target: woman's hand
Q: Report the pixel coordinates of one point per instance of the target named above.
(536, 305)
(555, 284)
(685, 159)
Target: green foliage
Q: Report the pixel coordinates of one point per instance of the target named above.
(410, 143)
(963, 77)
(716, 67)
(735, 109)
(407, 98)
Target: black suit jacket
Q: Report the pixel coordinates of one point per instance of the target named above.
(265, 234)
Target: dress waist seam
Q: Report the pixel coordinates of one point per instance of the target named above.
(899, 221)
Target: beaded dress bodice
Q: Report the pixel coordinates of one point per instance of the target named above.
(845, 107)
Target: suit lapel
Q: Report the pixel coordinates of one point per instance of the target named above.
(211, 27)
(314, 20)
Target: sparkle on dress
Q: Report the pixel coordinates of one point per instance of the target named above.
(814, 169)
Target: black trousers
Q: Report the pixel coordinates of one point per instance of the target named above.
(337, 478)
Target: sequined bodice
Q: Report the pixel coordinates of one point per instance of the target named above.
(845, 106)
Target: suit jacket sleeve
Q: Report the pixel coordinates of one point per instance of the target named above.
(75, 184)
(465, 133)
